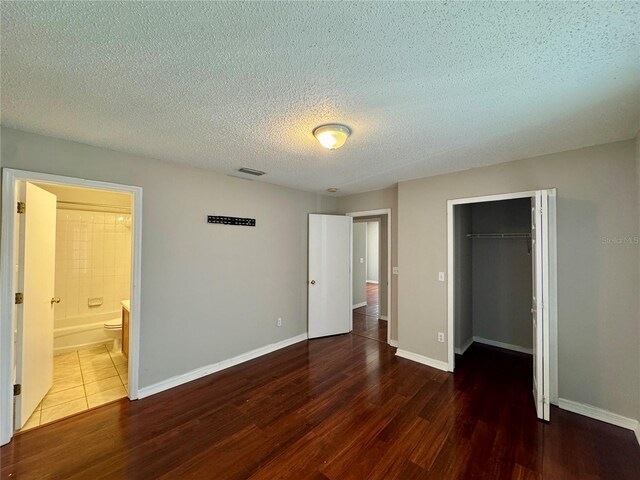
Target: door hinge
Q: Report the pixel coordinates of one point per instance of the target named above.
(17, 389)
(19, 298)
(21, 207)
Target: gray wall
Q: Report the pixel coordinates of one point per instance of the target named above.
(359, 270)
(638, 233)
(209, 292)
(501, 273)
(373, 251)
(598, 281)
(378, 199)
(463, 314)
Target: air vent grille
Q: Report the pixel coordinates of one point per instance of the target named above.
(251, 171)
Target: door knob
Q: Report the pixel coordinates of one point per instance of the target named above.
(313, 282)
(55, 300)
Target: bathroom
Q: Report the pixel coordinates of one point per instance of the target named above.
(93, 239)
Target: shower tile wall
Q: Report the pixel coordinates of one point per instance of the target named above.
(93, 259)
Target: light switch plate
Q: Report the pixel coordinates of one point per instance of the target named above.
(362, 260)
(441, 276)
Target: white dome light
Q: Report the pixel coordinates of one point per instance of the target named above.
(332, 135)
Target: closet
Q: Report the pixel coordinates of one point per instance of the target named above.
(493, 275)
(502, 287)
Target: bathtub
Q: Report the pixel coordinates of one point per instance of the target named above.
(79, 332)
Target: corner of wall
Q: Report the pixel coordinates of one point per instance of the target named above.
(638, 232)
(326, 204)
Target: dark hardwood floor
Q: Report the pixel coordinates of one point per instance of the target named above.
(341, 407)
(366, 321)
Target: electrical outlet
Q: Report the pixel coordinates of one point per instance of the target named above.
(441, 276)
(395, 270)
(279, 322)
(361, 260)
(441, 337)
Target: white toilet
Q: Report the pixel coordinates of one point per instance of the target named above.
(113, 329)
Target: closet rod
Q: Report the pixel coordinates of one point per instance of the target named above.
(85, 204)
(499, 235)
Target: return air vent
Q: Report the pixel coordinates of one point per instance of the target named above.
(251, 171)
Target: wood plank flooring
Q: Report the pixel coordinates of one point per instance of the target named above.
(340, 407)
(372, 308)
(366, 321)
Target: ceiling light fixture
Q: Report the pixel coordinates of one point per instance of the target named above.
(332, 190)
(332, 135)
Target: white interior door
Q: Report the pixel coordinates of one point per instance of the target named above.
(329, 275)
(540, 294)
(34, 341)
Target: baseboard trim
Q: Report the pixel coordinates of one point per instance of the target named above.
(73, 348)
(430, 362)
(393, 343)
(460, 351)
(506, 346)
(216, 367)
(600, 414)
(375, 282)
(358, 305)
(384, 317)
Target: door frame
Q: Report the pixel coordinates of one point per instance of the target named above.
(7, 260)
(552, 276)
(370, 213)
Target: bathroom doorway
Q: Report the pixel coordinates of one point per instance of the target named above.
(75, 250)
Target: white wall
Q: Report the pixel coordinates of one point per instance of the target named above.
(77, 195)
(598, 281)
(209, 292)
(373, 251)
(359, 269)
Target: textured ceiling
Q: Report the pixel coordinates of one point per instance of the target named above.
(427, 88)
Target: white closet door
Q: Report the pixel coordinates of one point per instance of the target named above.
(540, 294)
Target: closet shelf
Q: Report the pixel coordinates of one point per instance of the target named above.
(499, 235)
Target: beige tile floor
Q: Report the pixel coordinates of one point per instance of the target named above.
(82, 379)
